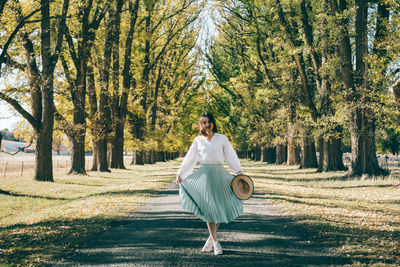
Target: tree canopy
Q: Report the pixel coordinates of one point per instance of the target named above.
(296, 82)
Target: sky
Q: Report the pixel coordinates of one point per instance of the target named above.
(8, 119)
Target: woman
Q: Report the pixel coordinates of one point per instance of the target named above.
(207, 192)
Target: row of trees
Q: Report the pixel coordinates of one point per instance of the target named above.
(88, 68)
(309, 74)
(287, 78)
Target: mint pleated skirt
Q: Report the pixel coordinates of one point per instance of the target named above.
(208, 194)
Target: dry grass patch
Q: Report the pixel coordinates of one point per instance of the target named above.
(361, 216)
(40, 221)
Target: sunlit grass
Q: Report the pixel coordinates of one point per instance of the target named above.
(361, 216)
(40, 221)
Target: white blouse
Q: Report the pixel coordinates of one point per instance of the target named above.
(214, 151)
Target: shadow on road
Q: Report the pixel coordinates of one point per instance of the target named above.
(161, 234)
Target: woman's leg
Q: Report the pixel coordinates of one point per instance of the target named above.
(212, 228)
(216, 229)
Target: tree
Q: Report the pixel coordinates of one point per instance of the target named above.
(357, 90)
(79, 52)
(40, 85)
(119, 99)
(165, 25)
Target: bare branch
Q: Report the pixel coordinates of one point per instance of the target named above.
(20, 149)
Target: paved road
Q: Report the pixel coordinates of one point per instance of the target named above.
(161, 234)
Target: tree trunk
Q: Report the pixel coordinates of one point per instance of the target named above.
(334, 159)
(102, 159)
(362, 119)
(264, 154)
(133, 161)
(117, 146)
(330, 155)
(78, 154)
(43, 155)
(140, 157)
(100, 162)
(253, 154)
(272, 155)
(363, 147)
(95, 155)
(147, 157)
(41, 84)
(298, 151)
(258, 153)
(291, 156)
(281, 154)
(99, 126)
(43, 160)
(308, 155)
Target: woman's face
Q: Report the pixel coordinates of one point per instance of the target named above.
(205, 124)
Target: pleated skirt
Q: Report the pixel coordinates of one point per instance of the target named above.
(208, 194)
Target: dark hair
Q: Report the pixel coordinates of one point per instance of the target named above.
(210, 119)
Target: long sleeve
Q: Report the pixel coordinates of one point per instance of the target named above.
(189, 162)
(231, 157)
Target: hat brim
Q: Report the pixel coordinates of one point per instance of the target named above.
(242, 186)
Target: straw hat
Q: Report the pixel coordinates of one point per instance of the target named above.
(242, 186)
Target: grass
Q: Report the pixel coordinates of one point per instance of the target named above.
(41, 221)
(362, 217)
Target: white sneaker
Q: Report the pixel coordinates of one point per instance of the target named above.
(208, 246)
(217, 248)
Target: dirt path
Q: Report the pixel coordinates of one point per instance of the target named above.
(161, 234)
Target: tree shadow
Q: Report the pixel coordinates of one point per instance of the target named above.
(361, 186)
(13, 194)
(122, 192)
(316, 179)
(170, 237)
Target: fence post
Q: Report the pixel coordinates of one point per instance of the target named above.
(22, 168)
(5, 170)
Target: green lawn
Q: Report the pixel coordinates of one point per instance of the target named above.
(361, 216)
(40, 221)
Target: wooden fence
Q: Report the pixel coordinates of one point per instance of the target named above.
(23, 167)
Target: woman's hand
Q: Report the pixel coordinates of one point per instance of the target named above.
(178, 180)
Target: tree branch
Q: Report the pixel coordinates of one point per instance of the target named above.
(16, 105)
(14, 63)
(54, 57)
(71, 46)
(13, 34)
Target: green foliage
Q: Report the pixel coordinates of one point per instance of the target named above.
(246, 76)
(253, 70)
